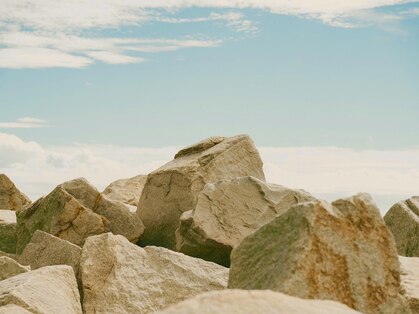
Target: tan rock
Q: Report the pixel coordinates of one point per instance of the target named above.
(254, 301)
(127, 191)
(51, 289)
(403, 221)
(410, 281)
(120, 277)
(10, 197)
(45, 249)
(315, 250)
(173, 188)
(9, 268)
(227, 211)
(13, 309)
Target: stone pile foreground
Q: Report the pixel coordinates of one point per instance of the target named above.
(161, 243)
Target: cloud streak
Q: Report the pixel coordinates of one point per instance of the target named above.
(24, 123)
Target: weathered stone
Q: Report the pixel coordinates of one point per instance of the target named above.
(10, 197)
(120, 277)
(9, 268)
(254, 301)
(227, 211)
(127, 191)
(45, 249)
(13, 309)
(403, 221)
(74, 211)
(341, 252)
(173, 188)
(410, 281)
(51, 289)
(8, 231)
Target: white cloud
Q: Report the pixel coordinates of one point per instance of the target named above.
(24, 123)
(114, 58)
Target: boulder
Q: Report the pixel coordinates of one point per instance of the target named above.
(403, 221)
(8, 231)
(410, 281)
(341, 252)
(9, 268)
(51, 289)
(227, 211)
(120, 277)
(10, 197)
(173, 189)
(45, 249)
(74, 211)
(254, 301)
(127, 191)
(13, 309)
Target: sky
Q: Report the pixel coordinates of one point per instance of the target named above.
(328, 90)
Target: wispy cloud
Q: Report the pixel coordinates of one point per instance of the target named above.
(24, 123)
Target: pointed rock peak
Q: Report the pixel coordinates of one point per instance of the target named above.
(200, 146)
(10, 197)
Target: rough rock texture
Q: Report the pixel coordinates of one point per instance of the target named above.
(410, 281)
(227, 212)
(120, 277)
(403, 221)
(342, 252)
(9, 268)
(45, 249)
(173, 188)
(74, 211)
(127, 191)
(255, 301)
(10, 197)
(13, 309)
(8, 231)
(51, 289)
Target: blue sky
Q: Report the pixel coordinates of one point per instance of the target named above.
(168, 73)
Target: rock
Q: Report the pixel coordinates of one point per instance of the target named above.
(410, 281)
(120, 277)
(45, 249)
(127, 191)
(403, 221)
(9, 268)
(227, 211)
(254, 301)
(8, 231)
(51, 289)
(173, 189)
(74, 211)
(13, 309)
(341, 252)
(10, 197)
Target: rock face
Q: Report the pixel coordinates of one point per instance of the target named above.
(410, 281)
(227, 211)
(10, 197)
(13, 309)
(9, 268)
(8, 231)
(51, 289)
(127, 191)
(46, 250)
(74, 211)
(254, 301)
(403, 221)
(342, 252)
(173, 188)
(120, 277)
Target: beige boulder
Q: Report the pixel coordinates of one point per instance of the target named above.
(127, 191)
(51, 289)
(254, 301)
(13, 309)
(410, 281)
(341, 252)
(8, 231)
(120, 277)
(173, 189)
(10, 197)
(403, 221)
(45, 249)
(227, 211)
(9, 268)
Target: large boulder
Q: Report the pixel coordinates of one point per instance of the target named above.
(74, 211)
(13, 309)
(45, 249)
(254, 301)
(410, 281)
(173, 189)
(51, 289)
(227, 211)
(10, 197)
(9, 268)
(341, 252)
(120, 277)
(8, 231)
(127, 191)
(403, 221)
